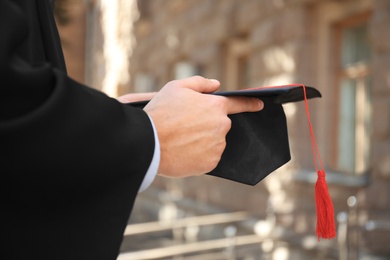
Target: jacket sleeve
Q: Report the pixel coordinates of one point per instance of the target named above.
(71, 158)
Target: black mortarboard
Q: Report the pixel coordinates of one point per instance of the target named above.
(257, 143)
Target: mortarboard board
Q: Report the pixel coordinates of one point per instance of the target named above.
(257, 144)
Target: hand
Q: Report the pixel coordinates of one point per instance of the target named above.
(192, 126)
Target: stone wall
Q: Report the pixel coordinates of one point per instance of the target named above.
(284, 46)
(376, 198)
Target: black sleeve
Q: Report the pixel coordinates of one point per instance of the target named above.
(71, 158)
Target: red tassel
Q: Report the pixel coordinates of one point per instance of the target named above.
(325, 213)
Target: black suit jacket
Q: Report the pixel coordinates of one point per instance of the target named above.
(71, 158)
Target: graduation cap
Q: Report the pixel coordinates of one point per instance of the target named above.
(257, 144)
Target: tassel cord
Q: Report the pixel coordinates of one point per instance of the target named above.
(325, 212)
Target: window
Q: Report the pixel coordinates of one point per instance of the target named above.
(237, 64)
(144, 82)
(184, 69)
(353, 81)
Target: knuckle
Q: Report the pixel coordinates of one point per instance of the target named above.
(212, 164)
(246, 104)
(198, 79)
(215, 101)
(226, 124)
(225, 103)
(212, 160)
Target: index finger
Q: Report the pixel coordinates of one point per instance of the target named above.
(134, 97)
(199, 84)
(243, 104)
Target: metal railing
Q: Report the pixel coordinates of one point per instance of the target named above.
(350, 230)
(194, 247)
(226, 245)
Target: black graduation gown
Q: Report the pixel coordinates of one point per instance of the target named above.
(71, 158)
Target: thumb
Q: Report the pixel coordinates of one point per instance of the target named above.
(200, 84)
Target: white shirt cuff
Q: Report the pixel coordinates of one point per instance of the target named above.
(155, 163)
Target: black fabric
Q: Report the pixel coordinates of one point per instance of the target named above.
(71, 158)
(257, 144)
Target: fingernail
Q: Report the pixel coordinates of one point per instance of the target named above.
(261, 104)
(215, 81)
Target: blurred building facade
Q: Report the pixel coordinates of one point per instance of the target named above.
(341, 47)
